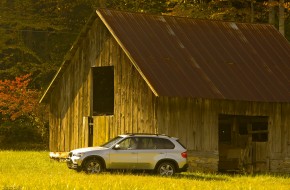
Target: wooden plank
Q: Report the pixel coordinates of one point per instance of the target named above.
(106, 129)
(102, 130)
(285, 123)
(276, 130)
(85, 132)
(259, 131)
(260, 151)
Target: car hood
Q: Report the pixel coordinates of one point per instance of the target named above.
(88, 149)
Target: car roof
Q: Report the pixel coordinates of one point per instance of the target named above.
(147, 135)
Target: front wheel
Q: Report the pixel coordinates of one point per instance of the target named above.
(166, 169)
(93, 166)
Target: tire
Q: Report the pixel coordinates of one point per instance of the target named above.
(93, 166)
(166, 169)
(79, 169)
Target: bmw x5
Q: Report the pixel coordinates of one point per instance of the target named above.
(159, 153)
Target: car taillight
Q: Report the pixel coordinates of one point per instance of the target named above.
(184, 155)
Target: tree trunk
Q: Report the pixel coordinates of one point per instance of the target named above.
(271, 12)
(281, 17)
(252, 11)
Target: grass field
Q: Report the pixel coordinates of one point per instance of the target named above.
(35, 170)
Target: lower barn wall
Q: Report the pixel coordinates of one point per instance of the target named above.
(200, 161)
(195, 123)
(280, 166)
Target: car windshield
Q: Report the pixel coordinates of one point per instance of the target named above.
(112, 142)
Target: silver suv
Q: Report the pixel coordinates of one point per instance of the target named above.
(160, 153)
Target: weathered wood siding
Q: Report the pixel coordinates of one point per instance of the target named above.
(71, 99)
(195, 122)
(134, 101)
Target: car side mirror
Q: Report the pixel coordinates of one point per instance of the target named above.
(117, 147)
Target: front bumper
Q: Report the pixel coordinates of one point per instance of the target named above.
(70, 164)
(73, 162)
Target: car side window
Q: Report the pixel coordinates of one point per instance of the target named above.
(128, 144)
(146, 143)
(154, 143)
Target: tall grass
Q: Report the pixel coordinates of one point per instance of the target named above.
(35, 170)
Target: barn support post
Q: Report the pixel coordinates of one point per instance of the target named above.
(90, 131)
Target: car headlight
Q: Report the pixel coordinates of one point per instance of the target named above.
(79, 154)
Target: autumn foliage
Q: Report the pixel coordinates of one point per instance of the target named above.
(16, 99)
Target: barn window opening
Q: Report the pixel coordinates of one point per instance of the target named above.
(103, 90)
(260, 131)
(255, 127)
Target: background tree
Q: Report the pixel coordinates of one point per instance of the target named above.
(148, 6)
(35, 35)
(271, 7)
(282, 17)
(22, 117)
(257, 11)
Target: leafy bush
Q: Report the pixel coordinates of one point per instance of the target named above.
(22, 122)
(22, 134)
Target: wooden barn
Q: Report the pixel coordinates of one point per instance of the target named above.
(223, 88)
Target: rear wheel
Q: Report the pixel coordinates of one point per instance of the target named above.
(93, 166)
(166, 169)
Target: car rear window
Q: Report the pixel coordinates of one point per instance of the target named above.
(164, 144)
(181, 144)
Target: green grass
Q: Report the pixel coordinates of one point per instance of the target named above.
(35, 170)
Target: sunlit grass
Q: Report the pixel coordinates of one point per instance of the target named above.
(35, 170)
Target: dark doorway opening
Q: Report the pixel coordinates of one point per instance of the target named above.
(103, 90)
(243, 142)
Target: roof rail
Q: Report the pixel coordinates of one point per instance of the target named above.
(156, 134)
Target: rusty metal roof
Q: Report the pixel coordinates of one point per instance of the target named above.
(184, 57)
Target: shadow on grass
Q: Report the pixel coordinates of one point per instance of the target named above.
(227, 176)
(201, 177)
(187, 175)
